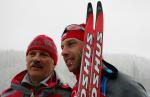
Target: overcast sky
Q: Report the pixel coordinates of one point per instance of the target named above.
(126, 23)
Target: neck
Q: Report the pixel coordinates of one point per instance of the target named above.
(77, 74)
(36, 79)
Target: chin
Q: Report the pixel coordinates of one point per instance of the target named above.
(35, 73)
(71, 70)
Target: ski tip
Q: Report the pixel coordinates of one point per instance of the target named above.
(99, 6)
(89, 8)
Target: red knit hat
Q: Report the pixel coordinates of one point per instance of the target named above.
(45, 43)
(74, 31)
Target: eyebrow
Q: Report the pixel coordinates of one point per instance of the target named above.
(72, 40)
(68, 41)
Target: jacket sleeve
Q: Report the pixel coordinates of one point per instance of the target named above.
(125, 86)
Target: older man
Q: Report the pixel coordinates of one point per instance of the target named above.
(39, 80)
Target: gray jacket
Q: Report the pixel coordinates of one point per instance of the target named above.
(121, 85)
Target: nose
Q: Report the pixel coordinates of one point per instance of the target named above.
(36, 57)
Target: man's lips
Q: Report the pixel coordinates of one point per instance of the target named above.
(68, 62)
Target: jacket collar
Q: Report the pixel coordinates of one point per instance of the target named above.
(23, 78)
(108, 71)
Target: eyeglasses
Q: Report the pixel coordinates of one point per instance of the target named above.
(73, 27)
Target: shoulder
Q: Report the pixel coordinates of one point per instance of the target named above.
(6, 92)
(125, 86)
(120, 84)
(63, 90)
(63, 86)
(15, 80)
(60, 84)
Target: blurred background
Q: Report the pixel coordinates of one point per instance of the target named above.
(126, 32)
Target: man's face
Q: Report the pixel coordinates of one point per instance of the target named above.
(39, 64)
(72, 53)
